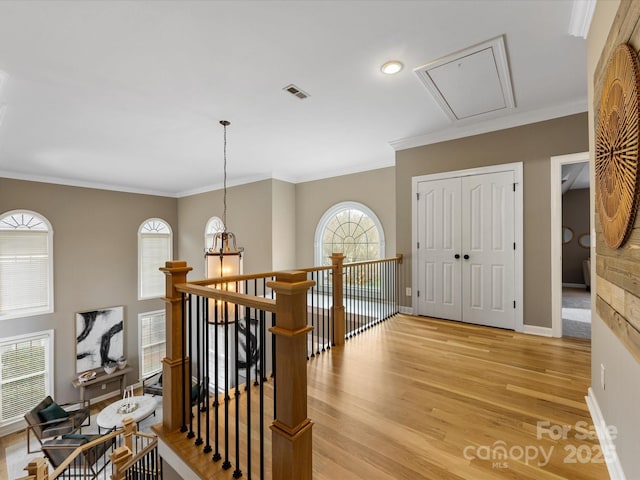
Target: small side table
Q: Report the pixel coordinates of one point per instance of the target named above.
(101, 378)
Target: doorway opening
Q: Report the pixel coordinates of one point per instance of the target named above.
(571, 217)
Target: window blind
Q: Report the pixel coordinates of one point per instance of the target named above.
(155, 250)
(152, 342)
(24, 270)
(25, 375)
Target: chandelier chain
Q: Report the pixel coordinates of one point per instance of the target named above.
(224, 215)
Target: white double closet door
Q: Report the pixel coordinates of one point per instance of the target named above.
(466, 249)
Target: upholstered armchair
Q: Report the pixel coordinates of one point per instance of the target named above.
(50, 420)
(152, 384)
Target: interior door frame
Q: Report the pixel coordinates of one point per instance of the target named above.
(518, 273)
(556, 232)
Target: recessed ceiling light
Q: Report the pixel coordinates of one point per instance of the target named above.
(391, 67)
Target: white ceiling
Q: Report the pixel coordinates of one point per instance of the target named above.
(127, 95)
(575, 176)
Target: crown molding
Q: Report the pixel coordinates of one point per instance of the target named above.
(581, 16)
(500, 123)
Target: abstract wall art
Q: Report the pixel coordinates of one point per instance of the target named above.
(99, 337)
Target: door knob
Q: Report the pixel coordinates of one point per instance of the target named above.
(457, 255)
(466, 257)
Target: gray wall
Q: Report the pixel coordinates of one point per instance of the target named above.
(531, 144)
(95, 238)
(375, 189)
(248, 217)
(619, 400)
(575, 215)
(283, 232)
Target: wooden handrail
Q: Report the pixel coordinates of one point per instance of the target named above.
(154, 443)
(242, 299)
(233, 278)
(82, 448)
(316, 269)
(93, 443)
(372, 262)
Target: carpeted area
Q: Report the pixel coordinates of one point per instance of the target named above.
(15, 451)
(576, 313)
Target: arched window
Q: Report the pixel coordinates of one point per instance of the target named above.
(26, 264)
(214, 225)
(154, 249)
(350, 228)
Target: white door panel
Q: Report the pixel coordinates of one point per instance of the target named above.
(487, 277)
(467, 216)
(439, 234)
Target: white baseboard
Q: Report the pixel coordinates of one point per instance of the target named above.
(536, 330)
(574, 285)
(606, 443)
(406, 310)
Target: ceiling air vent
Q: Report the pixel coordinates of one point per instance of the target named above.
(293, 90)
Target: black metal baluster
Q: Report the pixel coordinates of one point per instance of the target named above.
(237, 473)
(313, 325)
(260, 346)
(199, 303)
(216, 404)
(263, 328)
(226, 465)
(183, 427)
(185, 392)
(249, 359)
(205, 401)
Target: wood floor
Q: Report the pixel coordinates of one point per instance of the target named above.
(416, 398)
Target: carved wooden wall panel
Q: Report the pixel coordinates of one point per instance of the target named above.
(618, 269)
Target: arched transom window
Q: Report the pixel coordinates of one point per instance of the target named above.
(26, 264)
(154, 249)
(214, 225)
(352, 229)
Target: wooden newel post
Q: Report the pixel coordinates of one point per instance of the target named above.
(172, 365)
(36, 470)
(337, 260)
(291, 430)
(129, 429)
(119, 457)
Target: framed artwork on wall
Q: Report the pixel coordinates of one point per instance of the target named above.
(99, 337)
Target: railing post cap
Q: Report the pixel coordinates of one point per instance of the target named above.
(175, 266)
(291, 276)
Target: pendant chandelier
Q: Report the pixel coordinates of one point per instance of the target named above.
(224, 258)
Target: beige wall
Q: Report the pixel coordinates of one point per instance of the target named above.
(283, 232)
(575, 215)
(375, 189)
(248, 217)
(95, 237)
(619, 399)
(531, 144)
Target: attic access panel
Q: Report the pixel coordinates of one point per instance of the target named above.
(471, 83)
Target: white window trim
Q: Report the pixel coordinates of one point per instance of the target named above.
(328, 215)
(141, 363)
(140, 297)
(18, 424)
(32, 312)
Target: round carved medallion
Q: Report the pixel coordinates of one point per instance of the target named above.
(617, 135)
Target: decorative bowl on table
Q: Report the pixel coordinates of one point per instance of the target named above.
(121, 362)
(110, 367)
(127, 407)
(86, 376)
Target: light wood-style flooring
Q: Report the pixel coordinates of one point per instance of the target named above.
(417, 398)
